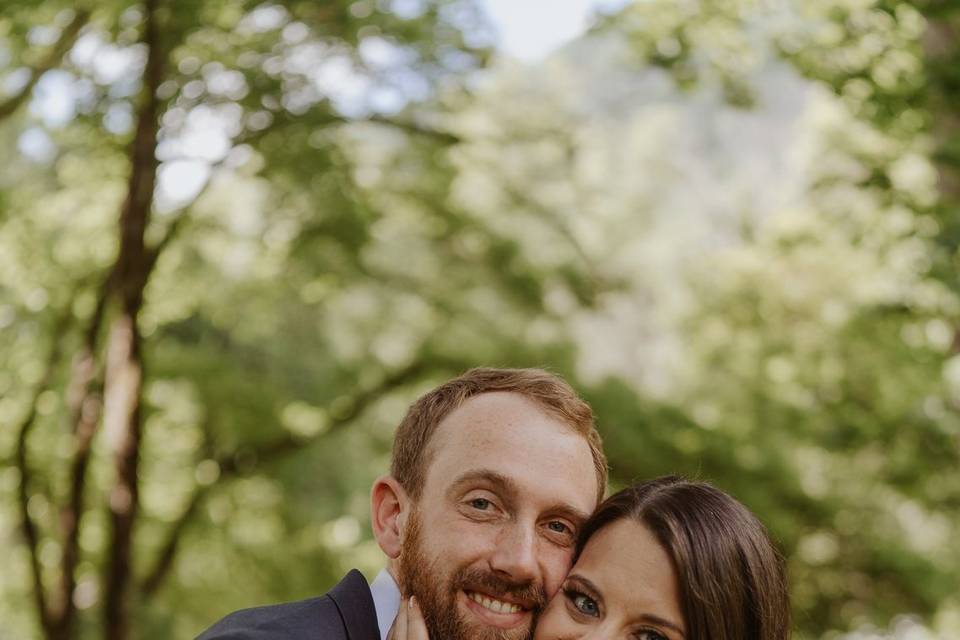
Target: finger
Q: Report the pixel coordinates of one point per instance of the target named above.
(416, 626)
(398, 630)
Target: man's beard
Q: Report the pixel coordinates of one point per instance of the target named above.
(437, 594)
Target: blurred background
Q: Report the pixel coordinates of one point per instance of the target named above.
(238, 237)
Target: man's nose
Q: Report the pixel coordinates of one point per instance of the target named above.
(515, 554)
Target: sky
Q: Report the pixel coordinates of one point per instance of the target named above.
(527, 30)
(530, 29)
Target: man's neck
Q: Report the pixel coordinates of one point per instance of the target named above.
(386, 600)
(393, 568)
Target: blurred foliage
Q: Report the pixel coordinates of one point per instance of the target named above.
(731, 224)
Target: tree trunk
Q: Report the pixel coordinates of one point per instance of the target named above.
(942, 53)
(121, 424)
(83, 403)
(123, 379)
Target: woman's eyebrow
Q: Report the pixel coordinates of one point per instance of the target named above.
(586, 585)
(649, 618)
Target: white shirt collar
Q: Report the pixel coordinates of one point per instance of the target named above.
(386, 600)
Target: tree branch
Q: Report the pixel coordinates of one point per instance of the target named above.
(69, 35)
(83, 411)
(333, 119)
(551, 219)
(153, 253)
(168, 551)
(230, 464)
(409, 126)
(30, 531)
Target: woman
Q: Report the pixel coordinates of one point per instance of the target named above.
(667, 559)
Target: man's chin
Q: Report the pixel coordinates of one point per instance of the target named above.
(484, 622)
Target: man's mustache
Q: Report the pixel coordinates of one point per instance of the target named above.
(526, 594)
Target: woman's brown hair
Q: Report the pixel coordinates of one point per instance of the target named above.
(731, 580)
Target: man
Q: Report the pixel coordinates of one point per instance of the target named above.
(492, 474)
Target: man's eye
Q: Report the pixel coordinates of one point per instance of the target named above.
(583, 603)
(559, 527)
(480, 503)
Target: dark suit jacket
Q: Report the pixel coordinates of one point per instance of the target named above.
(345, 613)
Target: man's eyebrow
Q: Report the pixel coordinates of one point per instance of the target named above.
(509, 491)
(577, 516)
(499, 481)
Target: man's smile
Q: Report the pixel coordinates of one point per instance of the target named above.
(496, 611)
(498, 605)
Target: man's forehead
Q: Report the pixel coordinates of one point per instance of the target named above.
(488, 425)
(512, 436)
(494, 417)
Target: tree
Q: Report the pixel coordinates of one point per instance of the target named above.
(821, 342)
(236, 243)
(729, 223)
(758, 180)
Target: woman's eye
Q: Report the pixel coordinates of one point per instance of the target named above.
(480, 503)
(583, 603)
(650, 634)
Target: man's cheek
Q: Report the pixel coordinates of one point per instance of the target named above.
(556, 564)
(470, 538)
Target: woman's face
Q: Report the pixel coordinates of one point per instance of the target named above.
(623, 586)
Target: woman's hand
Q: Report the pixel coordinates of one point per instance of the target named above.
(409, 624)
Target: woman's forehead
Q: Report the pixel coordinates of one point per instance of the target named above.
(632, 570)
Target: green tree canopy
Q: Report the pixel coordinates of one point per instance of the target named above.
(237, 238)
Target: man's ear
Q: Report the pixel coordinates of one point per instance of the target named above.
(389, 510)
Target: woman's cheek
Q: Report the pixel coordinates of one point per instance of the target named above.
(555, 622)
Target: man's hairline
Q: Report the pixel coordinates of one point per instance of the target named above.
(430, 448)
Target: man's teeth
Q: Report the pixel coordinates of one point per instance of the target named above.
(494, 605)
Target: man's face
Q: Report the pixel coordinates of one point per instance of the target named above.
(491, 538)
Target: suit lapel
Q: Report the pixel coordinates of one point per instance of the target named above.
(355, 604)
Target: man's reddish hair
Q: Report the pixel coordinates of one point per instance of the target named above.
(552, 393)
